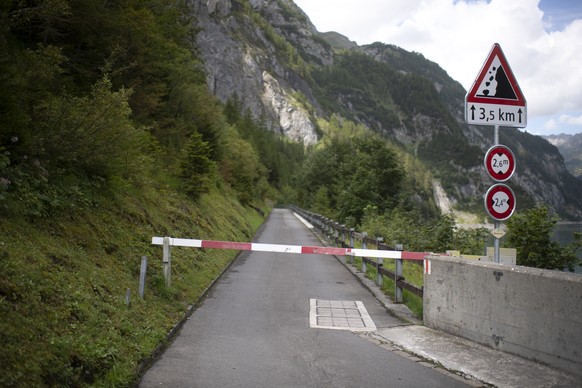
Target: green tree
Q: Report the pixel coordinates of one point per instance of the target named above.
(196, 166)
(529, 232)
(242, 169)
(357, 172)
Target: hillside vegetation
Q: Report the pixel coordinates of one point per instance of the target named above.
(108, 136)
(63, 281)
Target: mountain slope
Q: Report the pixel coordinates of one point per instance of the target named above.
(268, 54)
(570, 146)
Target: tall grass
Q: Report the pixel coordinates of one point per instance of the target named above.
(63, 315)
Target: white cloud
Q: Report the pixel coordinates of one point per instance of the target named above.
(550, 125)
(571, 120)
(458, 34)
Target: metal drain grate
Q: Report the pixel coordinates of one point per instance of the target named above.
(340, 315)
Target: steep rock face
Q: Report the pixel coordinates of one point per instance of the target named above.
(264, 51)
(241, 61)
(293, 119)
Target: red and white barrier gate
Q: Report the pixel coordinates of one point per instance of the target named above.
(167, 242)
(298, 249)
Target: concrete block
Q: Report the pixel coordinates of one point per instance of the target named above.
(529, 312)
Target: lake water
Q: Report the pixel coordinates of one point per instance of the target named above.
(564, 234)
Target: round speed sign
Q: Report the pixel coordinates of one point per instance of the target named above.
(500, 163)
(500, 202)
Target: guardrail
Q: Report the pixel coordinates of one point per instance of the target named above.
(346, 237)
(337, 233)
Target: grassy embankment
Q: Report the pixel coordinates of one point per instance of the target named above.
(63, 315)
(412, 272)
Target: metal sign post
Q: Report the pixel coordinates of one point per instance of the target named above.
(497, 225)
(496, 99)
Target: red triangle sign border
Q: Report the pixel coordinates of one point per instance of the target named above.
(472, 94)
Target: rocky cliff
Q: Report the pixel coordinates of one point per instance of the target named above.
(268, 55)
(244, 57)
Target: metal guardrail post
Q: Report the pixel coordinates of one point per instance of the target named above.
(352, 230)
(398, 274)
(167, 262)
(364, 246)
(342, 230)
(380, 277)
(380, 280)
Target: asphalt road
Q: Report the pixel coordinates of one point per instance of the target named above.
(253, 328)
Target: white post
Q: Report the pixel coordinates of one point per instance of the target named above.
(167, 262)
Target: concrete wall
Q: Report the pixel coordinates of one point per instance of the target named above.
(533, 313)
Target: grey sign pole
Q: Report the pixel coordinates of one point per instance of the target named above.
(497, 224)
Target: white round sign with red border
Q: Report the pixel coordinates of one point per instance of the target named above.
(500, 202)
(500, 163)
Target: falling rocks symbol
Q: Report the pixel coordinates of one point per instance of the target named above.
(503, 87)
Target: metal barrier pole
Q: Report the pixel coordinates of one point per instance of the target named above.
(380, 278)
(380, 264)
(352, 230)
(167, 262)
(398, 275)
(341, 239)
(364, 246)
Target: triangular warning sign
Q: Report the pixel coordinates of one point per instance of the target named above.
(496, 83)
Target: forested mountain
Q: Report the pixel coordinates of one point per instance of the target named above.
(293, 77)
(570, 147)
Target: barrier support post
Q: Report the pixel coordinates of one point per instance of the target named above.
(398, 274)
(380, 281)
(352, 230)
(167, 262)
(364, 246)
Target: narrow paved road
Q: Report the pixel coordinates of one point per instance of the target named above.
(253, 329)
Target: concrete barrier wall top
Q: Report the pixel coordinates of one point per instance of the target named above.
(530, 312)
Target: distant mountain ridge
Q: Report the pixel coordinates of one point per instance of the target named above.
(269, 55)
(570, 147)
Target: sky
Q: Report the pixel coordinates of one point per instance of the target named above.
(541, 40)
